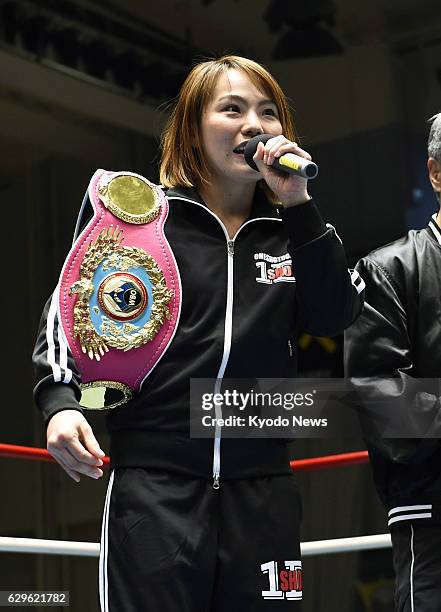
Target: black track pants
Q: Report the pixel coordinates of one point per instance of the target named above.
(172, 543)
(417, 564)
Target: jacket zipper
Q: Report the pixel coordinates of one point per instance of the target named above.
(228, 330)
(226, 355)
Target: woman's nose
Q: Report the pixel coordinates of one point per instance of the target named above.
(252, 125)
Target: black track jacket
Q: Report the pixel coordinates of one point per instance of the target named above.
(239, 319)
(399, 335)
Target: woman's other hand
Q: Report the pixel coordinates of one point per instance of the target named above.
(71, 442)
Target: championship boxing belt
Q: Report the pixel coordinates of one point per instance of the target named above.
(120, 292)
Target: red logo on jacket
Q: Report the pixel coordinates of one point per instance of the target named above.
(274, 269)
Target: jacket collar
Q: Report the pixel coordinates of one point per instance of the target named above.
(261, 207)
(434, 228)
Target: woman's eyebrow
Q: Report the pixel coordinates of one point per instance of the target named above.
(237, 98)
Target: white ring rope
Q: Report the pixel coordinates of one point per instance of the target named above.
(92, 549)
(327, 547)
(49, 547)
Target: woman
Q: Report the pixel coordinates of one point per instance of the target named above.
(209, 525)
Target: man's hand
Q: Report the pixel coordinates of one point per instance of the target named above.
(71, 442)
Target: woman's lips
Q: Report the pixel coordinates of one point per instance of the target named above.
(240, 148)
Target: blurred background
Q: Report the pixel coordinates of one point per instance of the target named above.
(85, 84)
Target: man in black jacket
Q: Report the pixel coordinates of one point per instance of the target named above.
(397, 341)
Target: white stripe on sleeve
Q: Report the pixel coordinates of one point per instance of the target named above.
(50, 324)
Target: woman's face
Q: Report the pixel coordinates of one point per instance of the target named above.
(236, 112)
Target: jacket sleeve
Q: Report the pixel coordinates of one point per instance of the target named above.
(330, 297)
(57, 378)
(378, 359)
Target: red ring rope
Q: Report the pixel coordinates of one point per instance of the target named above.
(315, 463)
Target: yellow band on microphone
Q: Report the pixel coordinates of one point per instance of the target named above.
(289, 163)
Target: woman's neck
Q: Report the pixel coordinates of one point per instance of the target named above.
(232, 206)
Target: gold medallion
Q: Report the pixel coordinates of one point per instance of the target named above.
(130, 198)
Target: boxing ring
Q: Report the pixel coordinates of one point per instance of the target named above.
(91, 549)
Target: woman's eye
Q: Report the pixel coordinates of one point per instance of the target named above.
(270, 111)
(232, 108)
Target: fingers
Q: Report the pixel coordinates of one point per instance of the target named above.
(277, 146)
(272, 147)
(81, 467)
(258, 156)
(71, 442)
(79, 452)
(67, 465)
(291, 147)
(91, 443)
(66, 454)
(72, 473)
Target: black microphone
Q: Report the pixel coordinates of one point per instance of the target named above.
(289, 162)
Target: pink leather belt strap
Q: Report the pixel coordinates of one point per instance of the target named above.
(120, 291)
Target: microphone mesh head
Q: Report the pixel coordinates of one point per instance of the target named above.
(251, 148)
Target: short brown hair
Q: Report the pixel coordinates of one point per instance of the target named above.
(181, 162)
